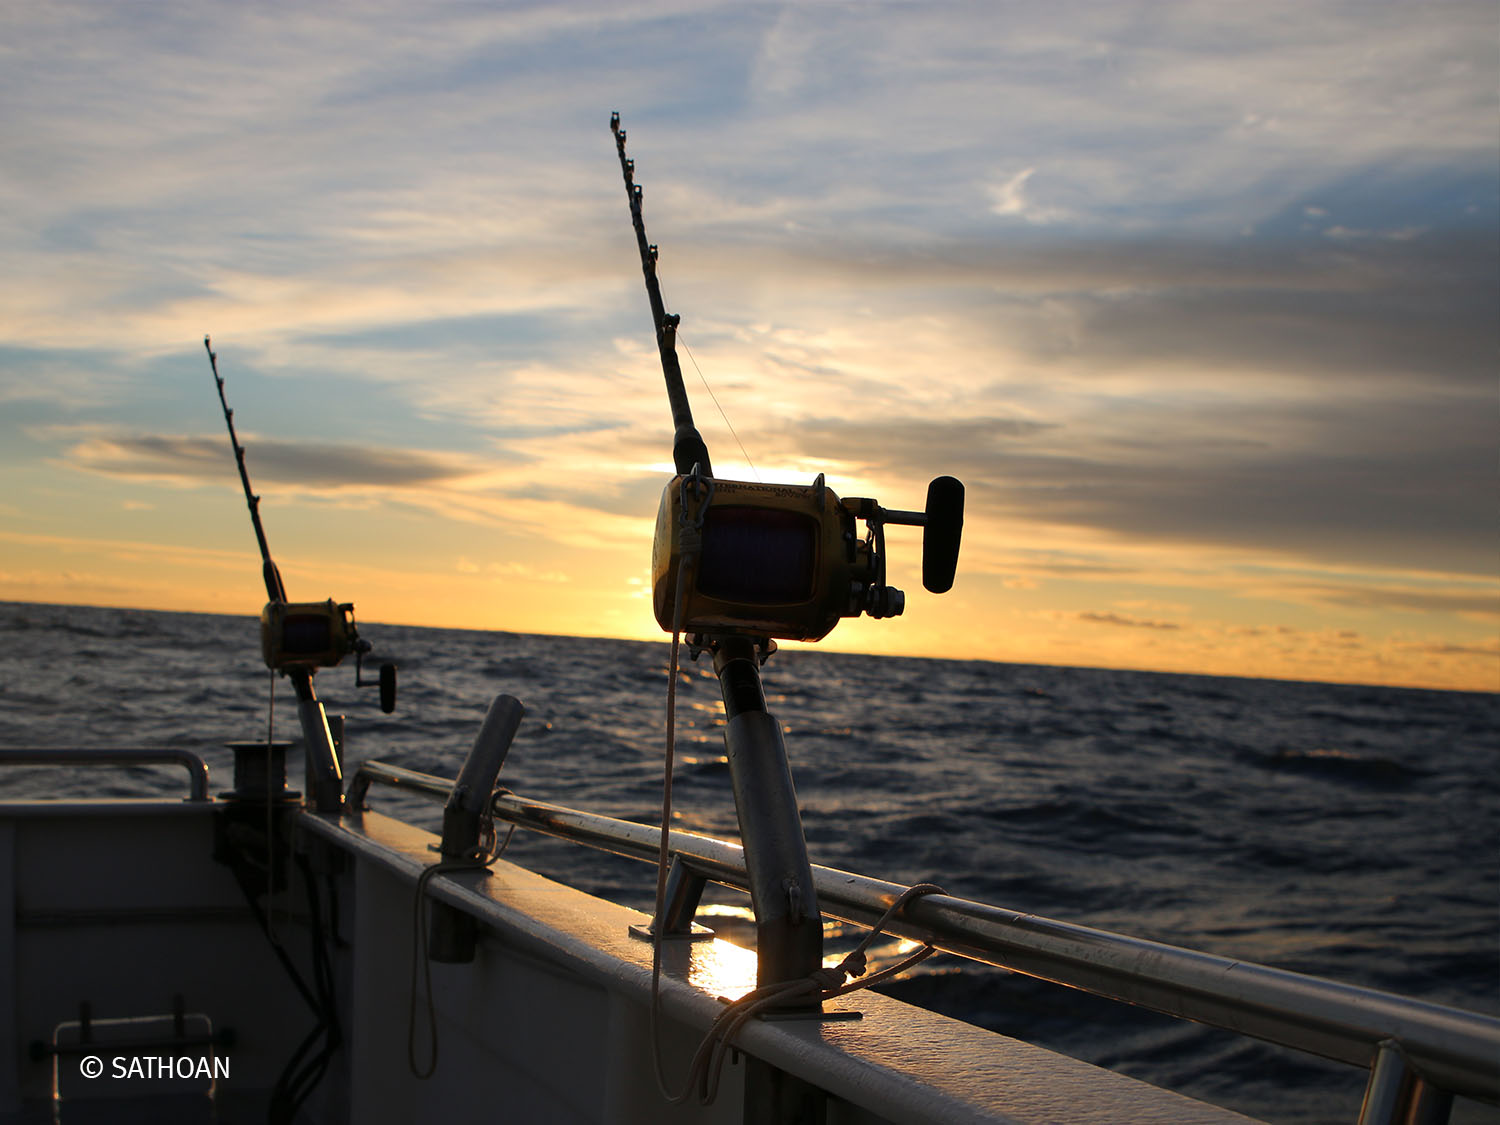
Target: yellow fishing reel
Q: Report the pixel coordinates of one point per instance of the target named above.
(784, 560)
(306, 636)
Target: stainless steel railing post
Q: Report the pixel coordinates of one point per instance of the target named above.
(1397, 1095)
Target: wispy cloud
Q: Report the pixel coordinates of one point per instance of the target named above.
(315, 465)
(1127, 622)
(1011, 198)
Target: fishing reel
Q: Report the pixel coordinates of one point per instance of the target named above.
(784, 560)
(307, 636)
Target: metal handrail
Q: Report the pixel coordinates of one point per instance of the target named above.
(114, 756)
(1451, 1048)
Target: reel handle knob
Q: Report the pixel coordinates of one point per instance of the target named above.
(387, 687)
(941, 534)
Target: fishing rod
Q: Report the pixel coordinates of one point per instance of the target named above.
(771, 560)
(298, 638)
(275, 590)
(688, 448)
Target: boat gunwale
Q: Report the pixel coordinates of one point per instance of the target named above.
(1452, 1048)
(955, 1073)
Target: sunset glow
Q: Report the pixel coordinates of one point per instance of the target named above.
(1199, 301)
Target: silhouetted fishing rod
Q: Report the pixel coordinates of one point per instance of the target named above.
(298, 638)
(275, 590)
(688, 448)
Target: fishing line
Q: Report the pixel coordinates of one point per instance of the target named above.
(657, 924)
(270, 796)
(754, 472)
(678, 336)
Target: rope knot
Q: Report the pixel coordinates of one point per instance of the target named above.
(854, 964)
(829, 979)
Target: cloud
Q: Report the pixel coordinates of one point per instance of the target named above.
(1283, 304)
(1128, 622)
(1405, 234)
(1478, 603)
(1009, 198)
(1397, 480)
(1492, 651)
(305, 465)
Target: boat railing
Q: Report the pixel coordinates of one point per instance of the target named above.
(1419, 1054)
(114, 756)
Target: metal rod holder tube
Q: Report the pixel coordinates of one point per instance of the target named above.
(452, 935)
(469, 799)
(788, 924)
(327, 780)
(336, 740)
(684, 892)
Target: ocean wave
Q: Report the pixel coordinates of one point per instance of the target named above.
(1343, 766)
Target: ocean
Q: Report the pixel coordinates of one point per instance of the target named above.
(1347, 832)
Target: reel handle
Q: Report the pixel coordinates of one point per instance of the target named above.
(941, 533)
(386, 682)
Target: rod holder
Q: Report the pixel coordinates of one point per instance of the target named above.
(683, 893)
(452, 934)
(469, 800)
(788, 923)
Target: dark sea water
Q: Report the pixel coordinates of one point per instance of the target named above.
(1348, 832)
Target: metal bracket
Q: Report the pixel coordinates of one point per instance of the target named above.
(684, 891)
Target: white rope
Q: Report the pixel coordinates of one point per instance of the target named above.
(487, 853)
(663, 851)
(821, 985)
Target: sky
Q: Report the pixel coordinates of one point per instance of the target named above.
(1198, 299)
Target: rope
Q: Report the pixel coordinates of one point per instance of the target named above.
(666, 822)
(487, 853)
(823, 984)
